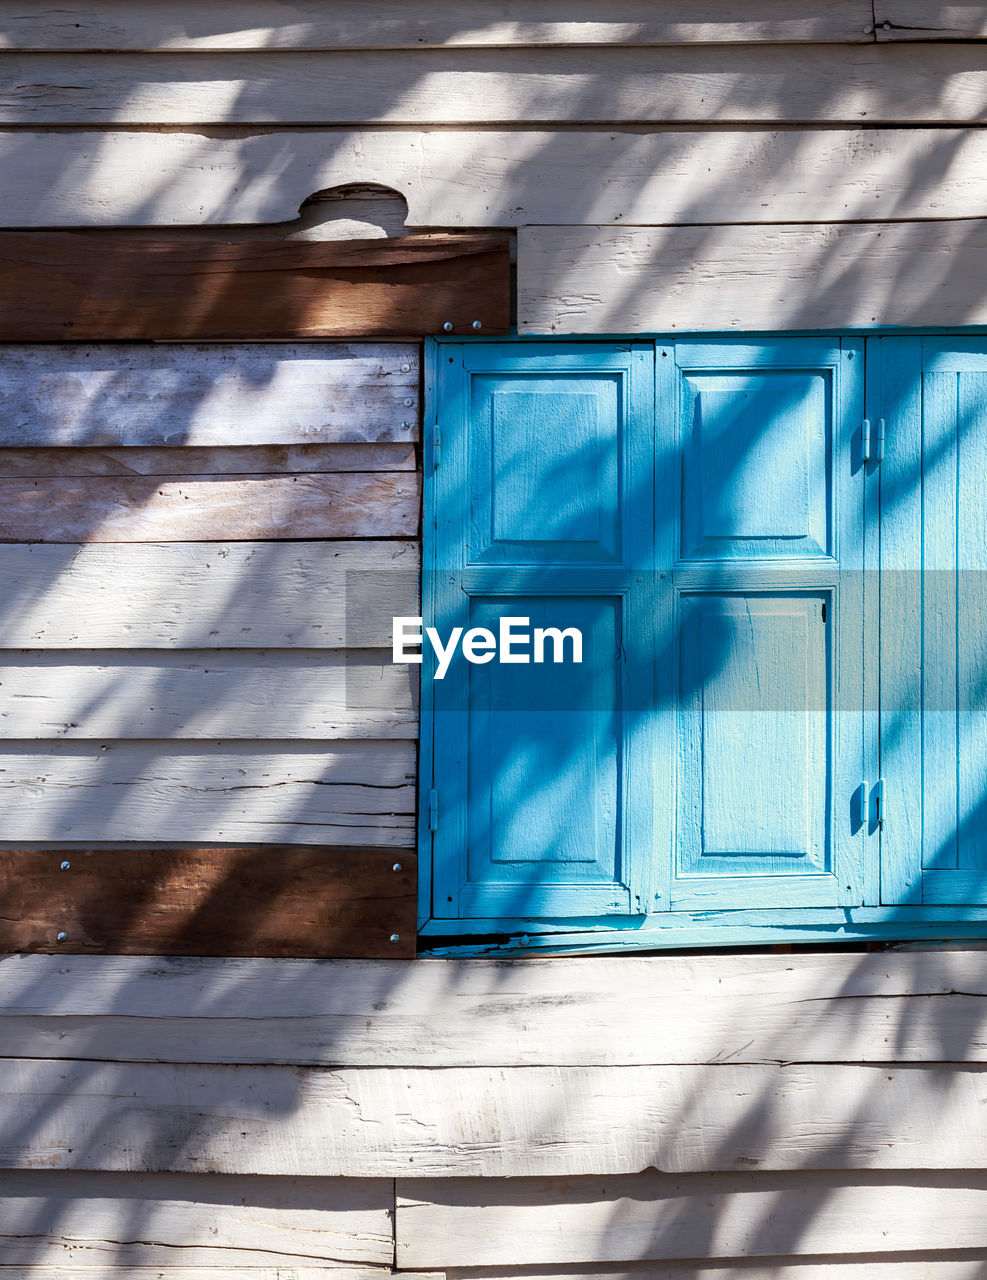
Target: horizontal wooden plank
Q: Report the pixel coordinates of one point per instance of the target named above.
(744, 84)
(794, 1008)
(271, 901)
(54, 286)
(350, 794)
(196, 395)
(313, 24)
(642, 279)
(470, 178)
(930, 20)
(177, 460)
(458, 1222)
(488, 1122)
(75, 1222)
(209, 509)
(206, 595)
(300, 694)
(870, 1268)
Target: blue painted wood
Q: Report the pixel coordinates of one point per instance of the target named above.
(543, 504)
(934, 620)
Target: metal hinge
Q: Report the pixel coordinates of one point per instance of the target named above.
(433, 810)
(436, 445)
(865, 441)
(879, 801)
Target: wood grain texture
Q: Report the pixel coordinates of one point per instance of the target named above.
(309, 24)
(488, 1122)
(333, 595)
(193, 395)
(743, 84)
(85, 1226)
(632, 280)
(455, 1222)
(351, 794)
(460, 1013)
(245, 508)
(270, 901)
(930, 20)
(176, 460)
(475, 178)
(58, 286)
(299, 695)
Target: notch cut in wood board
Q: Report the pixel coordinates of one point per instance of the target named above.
(344, 794)
(305, 595)
(270, 901)
(489, 1123)
(460, 1013)
(194, 395)
(930, 20)
(231, 693)
(654, 1216)
(107, 1221)
(177, 460)
(55, 286)
(307, 24)
(468, 178)
(695, 84)
(648, 279)
(244, 508)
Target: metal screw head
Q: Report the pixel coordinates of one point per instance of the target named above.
(406, 426)
(397, 867)
(477, 324)
(406, 368)
(408, 402)
(448, 326)
(60, 937)
(395, 937)
(66, 865)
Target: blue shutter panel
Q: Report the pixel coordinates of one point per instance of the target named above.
(544, 511)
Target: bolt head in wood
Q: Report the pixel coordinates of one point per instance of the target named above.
(395, 937)
(397, 867)
(448, 326)
(66, 865)
(477, 324)
(60, 937)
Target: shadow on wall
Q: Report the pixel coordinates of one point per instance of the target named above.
(93, 1114)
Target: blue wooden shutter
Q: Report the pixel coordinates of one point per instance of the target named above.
(769, 600)
(932, 393)
(540, 504)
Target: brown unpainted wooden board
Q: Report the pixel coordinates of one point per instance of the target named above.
(177, 460)
(930, 19)
(194, 395)
(466, 1222)
(57, 286)
(270, 901)
(610, 85)
(314, 24)
(851, 1007)
(861, 1267)
(100, 1226)
(246, 508)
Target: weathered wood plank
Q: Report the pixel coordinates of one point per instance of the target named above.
(871, 1268)
(270, 901)
(643, 279)
(356, 793)
(67, 394)
(930, 20)
(469, 178)
(805, 1008)
(209, 595)
(246, 508)
(488, 1122)
(313, 24)
(176, 460)
(458, 1222)
(76, 1221)
(299, 695)
(743, 84)
(60, 285)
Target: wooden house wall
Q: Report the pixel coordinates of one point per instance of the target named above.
(793, 1117)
